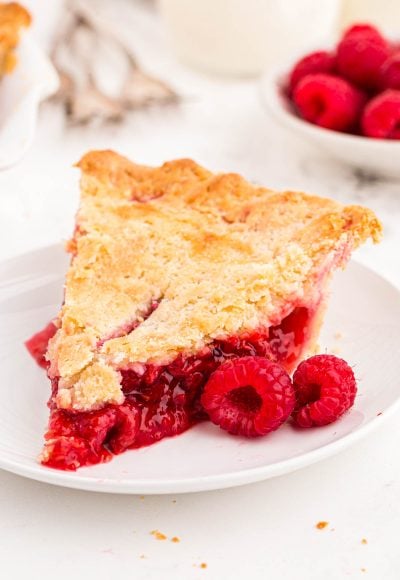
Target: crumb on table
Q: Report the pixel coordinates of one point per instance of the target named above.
(321, 525)
(158, 535)
(203, 565)
(175, 539)
(364, 541)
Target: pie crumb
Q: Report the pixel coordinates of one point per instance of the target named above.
(158, 535)
(141, 497)
(321, 525)
(364, 541)
(203, 565)
(142, 556)
(363, 569)
(175, 539)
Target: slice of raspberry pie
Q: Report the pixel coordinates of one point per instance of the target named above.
(175, 270)
(13, 17)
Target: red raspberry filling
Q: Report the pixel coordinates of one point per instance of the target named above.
(37, 344)
(249, 396)
(163, 401)
(88, 438)
(325, 388)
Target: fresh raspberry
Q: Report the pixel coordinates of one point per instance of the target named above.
(249, 396)
(313, 63)
(325, 388)
(362, 29)
(360, 56)
(381, 117)
(391, 71)
(328, 101)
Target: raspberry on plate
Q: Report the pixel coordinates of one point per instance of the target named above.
(391, 71)
(360, 56)
(325, 388)
(381, 117)
(249, 396)
(328, 101)
(313, 63)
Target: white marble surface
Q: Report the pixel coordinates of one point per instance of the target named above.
(260, 531)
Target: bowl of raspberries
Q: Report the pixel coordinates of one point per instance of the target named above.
(346, 99)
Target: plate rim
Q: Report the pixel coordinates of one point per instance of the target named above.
(74, 480)
(196, 484)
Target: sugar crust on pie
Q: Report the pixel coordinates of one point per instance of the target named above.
(218, 255)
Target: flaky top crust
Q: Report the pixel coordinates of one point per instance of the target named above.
(216, 255)
(13, 17)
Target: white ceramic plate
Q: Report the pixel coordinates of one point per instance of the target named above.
(375, 156)
(364, 308)
(33, 79)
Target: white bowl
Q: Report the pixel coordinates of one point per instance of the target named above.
(373, 156)
(33, 79)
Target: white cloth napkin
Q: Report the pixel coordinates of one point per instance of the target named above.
(100, 77)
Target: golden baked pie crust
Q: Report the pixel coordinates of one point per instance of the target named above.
(218, 255)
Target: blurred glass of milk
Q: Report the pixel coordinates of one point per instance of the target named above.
(383, 13)
(243, 37)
